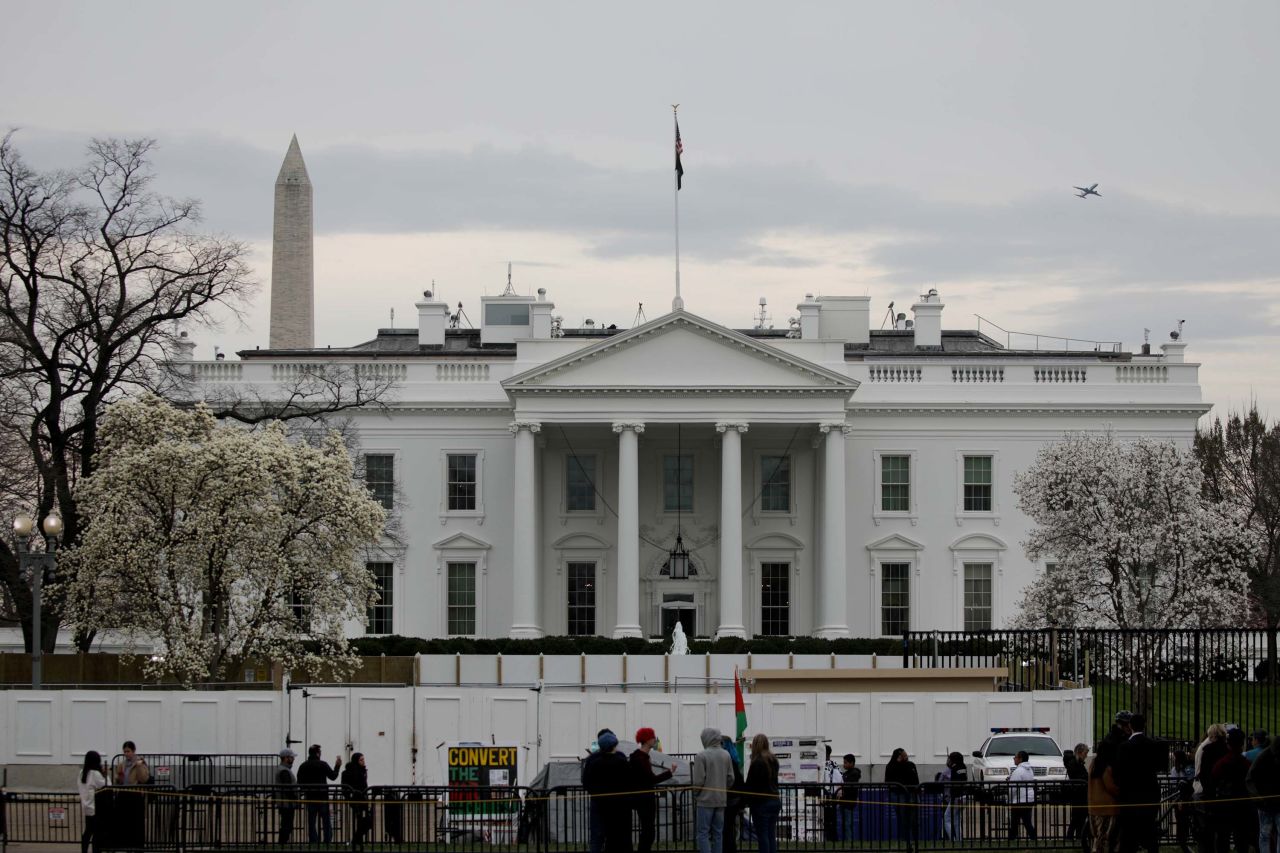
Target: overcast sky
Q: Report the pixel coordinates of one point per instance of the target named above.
(832, 148)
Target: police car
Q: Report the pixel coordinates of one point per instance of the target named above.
(993, 761)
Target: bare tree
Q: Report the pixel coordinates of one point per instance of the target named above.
(97, 274)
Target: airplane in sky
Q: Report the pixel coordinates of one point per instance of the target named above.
(1085, 192)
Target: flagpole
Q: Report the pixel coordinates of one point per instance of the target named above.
(677, 304)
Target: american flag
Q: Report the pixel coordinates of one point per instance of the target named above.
(679, 151)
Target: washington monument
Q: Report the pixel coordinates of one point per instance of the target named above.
(292, 265)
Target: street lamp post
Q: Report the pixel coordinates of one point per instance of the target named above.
(37, 564)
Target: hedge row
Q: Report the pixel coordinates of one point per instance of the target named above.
(397, 645)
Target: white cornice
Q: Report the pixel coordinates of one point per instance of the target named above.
(685, 391)
(1196, 409)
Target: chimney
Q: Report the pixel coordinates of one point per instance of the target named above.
(540, 316)
(846, 318)
(809, 317)
(1174, 352)
(928, 314)
(433, 319)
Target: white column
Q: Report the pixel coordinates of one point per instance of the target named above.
(833, 599)
(525, 576)
(731, 624)
(628, 580)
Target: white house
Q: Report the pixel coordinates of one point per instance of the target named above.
(831, 480)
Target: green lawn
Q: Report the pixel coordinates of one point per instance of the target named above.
(1247, 704)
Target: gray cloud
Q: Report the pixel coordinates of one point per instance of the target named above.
(1123, 254)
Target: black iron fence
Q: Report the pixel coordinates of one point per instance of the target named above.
(185, 770)
(524, 820)
(1183, 680)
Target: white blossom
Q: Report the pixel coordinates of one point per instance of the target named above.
(1134, 542)
(200, 539)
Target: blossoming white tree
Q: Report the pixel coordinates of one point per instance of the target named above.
(1130, 538)
(220, 544)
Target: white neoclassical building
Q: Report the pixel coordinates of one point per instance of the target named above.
(833, 479)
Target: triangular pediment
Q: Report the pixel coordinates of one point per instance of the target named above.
(461, 542)
(681, 351)
(895, 542)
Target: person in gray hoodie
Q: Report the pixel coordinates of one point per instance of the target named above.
(712, 779)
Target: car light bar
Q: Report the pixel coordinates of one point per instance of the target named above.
(999, 730)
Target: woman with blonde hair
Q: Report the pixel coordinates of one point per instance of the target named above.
(1210, 751)
(761, 789)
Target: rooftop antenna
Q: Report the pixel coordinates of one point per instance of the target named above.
(393, 318)
(762, 317)
(639, 318)
(510, 291)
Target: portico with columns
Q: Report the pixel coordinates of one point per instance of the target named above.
(684, 387)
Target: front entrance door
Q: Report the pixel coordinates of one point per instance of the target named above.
(679, 607)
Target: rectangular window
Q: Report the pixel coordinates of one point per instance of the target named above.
(677, 483)
(383, 591)
(775, 483)
(580, 478)
(462, 481)
(895, 483)
(582, 599)
(301, 608)
(895, 598)
(499, 314)
(977, 596)
(461, 598)
(775, 599)
(977, 484)
(380, 478)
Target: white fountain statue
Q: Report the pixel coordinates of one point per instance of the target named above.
(679, 642)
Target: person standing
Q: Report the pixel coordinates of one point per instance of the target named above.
(1232, 813)
(129, 808)
(91, 782)
(1077, 794)
(287, 789)
(1138, 765)
(1022, 796)
(830, 798)
(607, 777)
(903, 781)
(132, 768)
(953, 778)
(1263, 783)
(644, 780)
(355, 784)
(1210, 751)
(1258, 741)
(1104, 797)
(847, 815)
(733, 804)
(314, 777)
(712, 779)
(762, 790)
